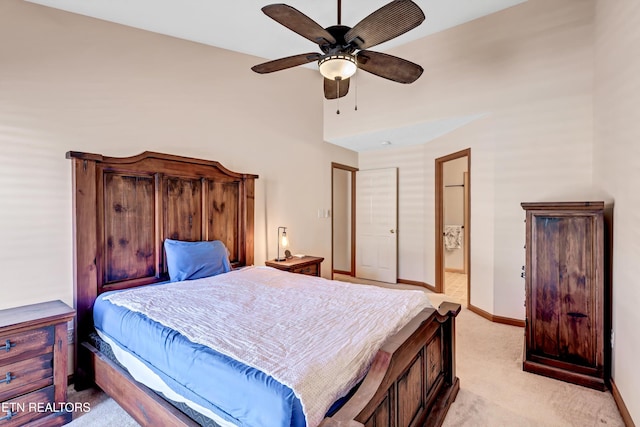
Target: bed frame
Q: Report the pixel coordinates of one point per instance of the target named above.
(124, 208)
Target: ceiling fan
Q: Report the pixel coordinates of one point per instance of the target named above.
(344, 49)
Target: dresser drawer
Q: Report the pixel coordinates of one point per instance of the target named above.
(28, 407)
(26, 344)
(310, 270)
(25, 375)
(33, 364)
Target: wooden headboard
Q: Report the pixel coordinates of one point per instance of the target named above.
(124, 208)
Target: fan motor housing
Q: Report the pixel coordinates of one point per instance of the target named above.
(340, 46)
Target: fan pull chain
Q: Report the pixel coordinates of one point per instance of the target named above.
(338, 95)
(355, 76)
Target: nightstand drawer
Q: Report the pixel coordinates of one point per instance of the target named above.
(35, 341)
(28, 407)
(309, 265)
(25, 375)
(311, 270)
(33, 364)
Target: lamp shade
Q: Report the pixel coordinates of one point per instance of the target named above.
(338, 67)
(282, 242)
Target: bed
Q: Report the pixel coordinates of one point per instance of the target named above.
(124, 209)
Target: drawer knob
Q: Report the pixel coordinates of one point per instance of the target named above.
(7, 346)
(7, 379)
(9, 415)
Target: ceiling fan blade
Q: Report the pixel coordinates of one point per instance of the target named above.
(284, 63)
(298, 22)
(386, 23)
(388, 66)
(331, 88)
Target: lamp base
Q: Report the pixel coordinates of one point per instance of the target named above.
(281, 259)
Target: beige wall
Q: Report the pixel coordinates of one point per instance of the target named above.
(69, 82)
(530, 70)
(617, 173)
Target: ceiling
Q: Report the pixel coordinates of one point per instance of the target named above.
(413, 134)
(247, 30)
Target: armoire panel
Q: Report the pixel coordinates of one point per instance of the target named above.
(545, 297)
(577, 284)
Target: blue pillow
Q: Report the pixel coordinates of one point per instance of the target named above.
(195, 260)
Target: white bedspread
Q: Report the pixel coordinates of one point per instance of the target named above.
(316, 336)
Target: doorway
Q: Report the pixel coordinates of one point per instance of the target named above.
(453, 228)
(343, 222)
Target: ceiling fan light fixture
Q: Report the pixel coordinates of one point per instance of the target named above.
(338, 67)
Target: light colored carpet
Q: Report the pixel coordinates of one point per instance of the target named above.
(494, 391)
(105, 412)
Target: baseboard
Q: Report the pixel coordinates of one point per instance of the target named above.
(343, 272)
(416, 283)
(624, 412)
(494, 318)
(476, 310)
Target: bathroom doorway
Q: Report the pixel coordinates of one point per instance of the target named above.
(453, 225)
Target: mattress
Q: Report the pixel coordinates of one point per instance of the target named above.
(173, 330)
(144, 375)
(236, 394)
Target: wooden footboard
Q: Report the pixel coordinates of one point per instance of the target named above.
(412, 381)
(142, 403)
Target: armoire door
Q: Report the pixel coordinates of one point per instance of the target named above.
(563, 288)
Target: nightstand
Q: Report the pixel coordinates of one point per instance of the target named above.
(309, 265)
(33, 364)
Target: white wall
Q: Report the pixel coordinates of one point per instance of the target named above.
(69, 82)
(617, 173)
(530, 70)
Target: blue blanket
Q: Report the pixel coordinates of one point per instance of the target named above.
(236, 392)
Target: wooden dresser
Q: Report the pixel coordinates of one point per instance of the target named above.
(309, 265)
(33, 364)
(567, 327)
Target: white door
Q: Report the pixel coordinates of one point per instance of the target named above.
(376, 224)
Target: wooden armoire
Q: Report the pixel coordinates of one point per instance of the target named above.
(567, 326)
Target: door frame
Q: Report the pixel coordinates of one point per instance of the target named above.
(352, 171)
(439, 219)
